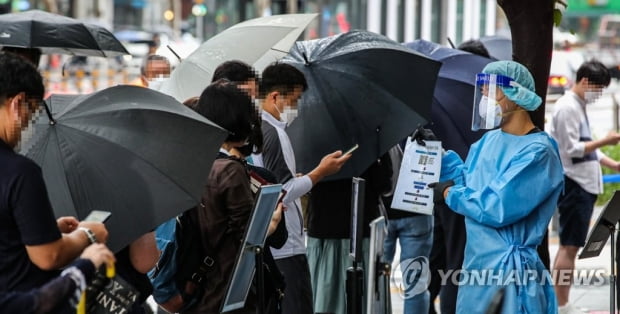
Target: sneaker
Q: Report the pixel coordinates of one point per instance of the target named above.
(569, 309)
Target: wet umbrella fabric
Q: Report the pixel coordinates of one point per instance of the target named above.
(363, 89)
(129, 150)
(454, 93)
(258, 42)
(499, 47)
(53, 33)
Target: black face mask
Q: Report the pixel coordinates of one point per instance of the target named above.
(246, 150)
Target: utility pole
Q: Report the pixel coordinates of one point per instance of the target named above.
(291, 6)
(176, 21)
(262, 7)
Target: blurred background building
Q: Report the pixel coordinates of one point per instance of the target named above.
(591, 28)
(401, 20)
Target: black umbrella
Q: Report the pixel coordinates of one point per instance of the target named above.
(53, 33)
(129, 150)
(454, 94)
(499, 47)
(363, 89)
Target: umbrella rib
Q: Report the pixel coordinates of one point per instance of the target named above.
(409, 106)
(63, 167)
(132, 153)
(361, 78)
(94, 39)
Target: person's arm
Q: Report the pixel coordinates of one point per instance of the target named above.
(60, 293)
(296, 186)
(452, 167)
(237, 197)
(46, 247)
(18, 302)
(611, 138)
(54, 255)
(330, 164)
(610, 163)
(143, 253)
(278, 238)
(57, 254)
(532, 176)
(273, 160)
(52, 297)
(567, 124)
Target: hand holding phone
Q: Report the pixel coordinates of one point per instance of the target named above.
(282, 195)
(98, 216)
(351, 150)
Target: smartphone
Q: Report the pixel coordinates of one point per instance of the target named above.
(352, 149)
(98, 216)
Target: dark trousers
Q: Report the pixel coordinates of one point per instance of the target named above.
(543, 251)
(298, 289)
(446, 255)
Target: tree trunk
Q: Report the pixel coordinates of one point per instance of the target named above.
(531, 26)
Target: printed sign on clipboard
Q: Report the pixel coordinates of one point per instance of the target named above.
(420, 166)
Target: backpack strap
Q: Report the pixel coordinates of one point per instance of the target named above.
(196, 274)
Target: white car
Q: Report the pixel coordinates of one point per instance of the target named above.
(564, 65)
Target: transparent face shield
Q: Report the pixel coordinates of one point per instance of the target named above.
(487, 113)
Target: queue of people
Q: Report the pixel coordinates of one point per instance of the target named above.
(506, 192)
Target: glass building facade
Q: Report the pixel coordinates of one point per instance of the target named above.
(401, 20)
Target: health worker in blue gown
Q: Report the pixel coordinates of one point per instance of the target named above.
(507, 189)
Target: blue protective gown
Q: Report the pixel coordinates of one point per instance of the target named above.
(507, 190)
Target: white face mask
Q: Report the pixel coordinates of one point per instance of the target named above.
(287, 115)
(591, 96)
(156, 82)
(290, 114)
(482, 111)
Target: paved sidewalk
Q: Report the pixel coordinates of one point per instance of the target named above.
(593, 298)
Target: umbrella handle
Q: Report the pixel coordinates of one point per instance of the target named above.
(174, 52)
(305, 58)
(451, 43)
(49, 114)
(81, 308)
(110, 271)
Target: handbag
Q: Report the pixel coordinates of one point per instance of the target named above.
(110, 295)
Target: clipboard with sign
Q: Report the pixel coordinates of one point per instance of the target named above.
(420, 166)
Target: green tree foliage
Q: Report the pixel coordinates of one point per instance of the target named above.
(609, 188)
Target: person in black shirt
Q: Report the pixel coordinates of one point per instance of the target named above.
(329, 232)
(33, 244)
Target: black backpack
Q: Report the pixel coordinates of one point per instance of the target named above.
(178, 288)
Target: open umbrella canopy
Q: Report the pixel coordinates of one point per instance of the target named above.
(129, 150)
(53, 33)
(363, 88)
(257, 42)
(499, 47)
(454, 93)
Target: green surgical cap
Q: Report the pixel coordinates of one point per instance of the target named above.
(522, 90)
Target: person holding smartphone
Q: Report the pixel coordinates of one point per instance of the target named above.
(35, 244)
(281, 87)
